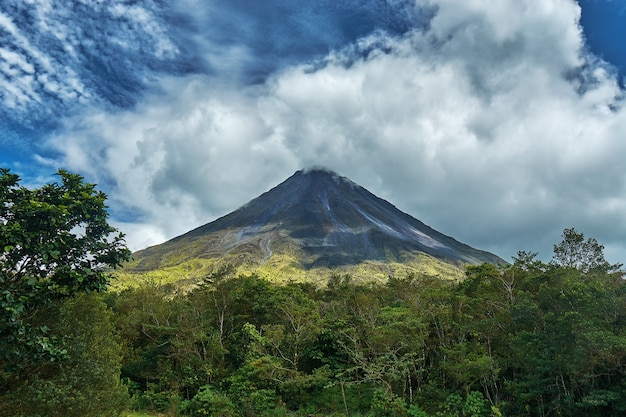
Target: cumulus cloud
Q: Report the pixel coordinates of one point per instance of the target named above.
(196, 151)
(490, 124)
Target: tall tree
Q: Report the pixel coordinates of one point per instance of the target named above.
(55, 242)
(586, 255)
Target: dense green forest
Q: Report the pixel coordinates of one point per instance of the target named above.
(526, 339)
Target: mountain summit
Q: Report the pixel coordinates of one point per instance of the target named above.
(314, 219)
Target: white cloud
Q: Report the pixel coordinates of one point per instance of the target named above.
(180, 159)
(491, 126)
(141, 21)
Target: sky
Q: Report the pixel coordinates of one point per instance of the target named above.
(498, 123)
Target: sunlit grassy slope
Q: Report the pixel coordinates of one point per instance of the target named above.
(189, 264)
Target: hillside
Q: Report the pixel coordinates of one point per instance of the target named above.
(313, 224)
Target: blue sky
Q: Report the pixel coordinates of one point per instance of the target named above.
(604, 25)
(498, 123)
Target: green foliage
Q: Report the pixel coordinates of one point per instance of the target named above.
(55, 242)
(59, 356)
(476, 405)
(452, 406)
(209, 402)
(387, 404)
(415, 411)
(586, 255)
(153, 399)
(529, 339)
(87, 381)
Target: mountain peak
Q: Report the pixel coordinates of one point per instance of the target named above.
(318, 177)
(317, 169)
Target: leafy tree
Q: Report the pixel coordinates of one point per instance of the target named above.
(171, 345)
(576, 252)
(209, 402)
(86, 382)
(220, 287)
(299, 322)
(566, 345)
(55, 242)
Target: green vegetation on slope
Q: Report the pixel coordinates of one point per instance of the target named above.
(282, 266)
(530, 339)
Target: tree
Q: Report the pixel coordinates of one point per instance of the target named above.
(55, 242)
(586, 255)
(86, 383)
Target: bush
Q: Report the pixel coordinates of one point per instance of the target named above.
(387, 404)
(209, 402)
(153, 400)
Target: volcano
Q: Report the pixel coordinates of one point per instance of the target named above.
(315, 220)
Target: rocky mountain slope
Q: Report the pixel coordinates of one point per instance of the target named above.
(313, 224)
